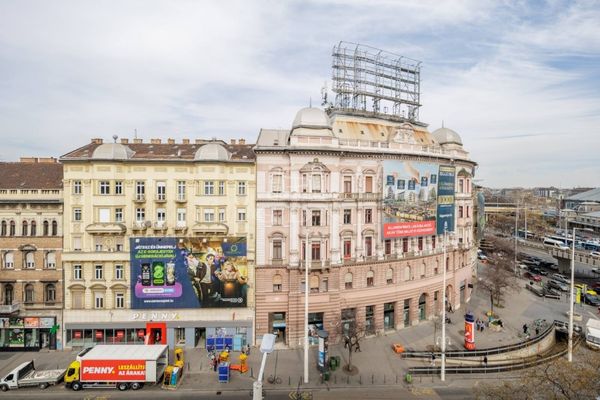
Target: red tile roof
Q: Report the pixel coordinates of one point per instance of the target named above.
(31, 175)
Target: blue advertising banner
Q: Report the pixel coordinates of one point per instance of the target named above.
(445, 200)
(188, 272)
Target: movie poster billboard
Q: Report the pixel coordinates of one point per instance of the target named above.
(445, 200)
(410, 198)
(188, 272)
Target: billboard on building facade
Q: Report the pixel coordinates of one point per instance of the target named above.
(410, 198)
(445, 199)
(188, 272)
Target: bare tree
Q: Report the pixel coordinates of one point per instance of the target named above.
(498, 277)
(558, 379)
(351, 333)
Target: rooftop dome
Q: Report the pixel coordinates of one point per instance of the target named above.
(212, 151)
(112, 151)
(310, 117)
(447, 136)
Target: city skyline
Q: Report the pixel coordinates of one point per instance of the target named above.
(514, 80)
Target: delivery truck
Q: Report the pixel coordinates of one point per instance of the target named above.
(26, 375)
(592, 333)
(118, 366)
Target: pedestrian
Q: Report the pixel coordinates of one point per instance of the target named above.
(482, 326)
(524, 329)
(432, 359)
(357, 348)
(215, 362)
(537, 331)
(485, 361)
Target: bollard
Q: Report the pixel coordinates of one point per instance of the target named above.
(384, 379)
(251, 372)
(396, 378)
(372, 379)
(289, 381)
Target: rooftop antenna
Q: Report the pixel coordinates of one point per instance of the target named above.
(135, 133)
(115, 137)
(310, 102)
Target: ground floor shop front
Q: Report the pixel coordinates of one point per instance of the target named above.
(184, 328)
(29, 333)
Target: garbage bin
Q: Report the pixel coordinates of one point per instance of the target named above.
(332, 364)
(326, 375)
(408, 378)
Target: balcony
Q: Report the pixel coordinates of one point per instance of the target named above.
(181, 227)
(210, 228)
(160, 226)
(160, 198)
(360, 196)
(316, 265)
(141, 225)
(139, 198)
(181, 198)
(10, 308)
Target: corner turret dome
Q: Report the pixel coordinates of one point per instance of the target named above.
(311, 117)
(112, 151)
(447, 136)
(212, 151)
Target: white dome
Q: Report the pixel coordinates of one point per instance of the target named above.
(212, 151)
(112, 151)
(447, 136)
(311, 117)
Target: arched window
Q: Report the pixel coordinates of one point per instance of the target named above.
(348, 280)
(29, 260)
(13, 228)
(33, 231)
(24, 230)
(51, 260)
(389, 276)
(407, 273)
(447, 264)
(54, 228)
(9, 260)
(50, 293)
(423, 307)
(370, 278)
(46, 228)
(314, 284)
(3, 229)
(9, 294)
(29, 293)
(277, 283)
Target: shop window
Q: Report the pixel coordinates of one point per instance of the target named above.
(388, 316)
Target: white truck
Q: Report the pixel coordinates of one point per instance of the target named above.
(592, 333)
(26, 375)
(118, 366)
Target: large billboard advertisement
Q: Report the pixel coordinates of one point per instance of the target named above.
(188, 272)
(445, 200)
(410, 197)
(113, 370)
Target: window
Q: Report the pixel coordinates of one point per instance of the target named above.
(222, 215)
(460, 211)
(98, 300)
(77, 187)
(104, 215)
(119, 187)
(368, 184)
(50, 293)
(347, 216)
(324, 285)
(389, 276)
(420, 243)
(51, 260)
(54, 228)
(118, 215)
(369, 246)
(209, 215)
(99, 272)
(24, 230)
(181, 216)
(221, 188)
(468, 212)
(241, 214)
(314, 284)
(461, 186)
(387, 247)
(12, 231)
(161, 191)
(77, 276)
(77, 214)
(407, 273)
(347, 184)
(304, 183)
(119, 273)
(433, 242)
(316, 218)
(316, 183)
(77, 299)
(140, 190)
(29, 260)
(33, 231)
(45, 228)
(161, 215)
(315, 251)
(29, 293)
(209, 188)
(119, 300)
(277, 186)
(277, 249)
(180, 190)
(104, 187)
(347, 249)
(241, 188)
(348, 280)
(368, 216)
(277, 283)
(140, 214)
(3, 230)
(370, 278)
(277, 217)
(9, 260)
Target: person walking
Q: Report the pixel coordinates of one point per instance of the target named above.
(432, 359)
(485, 361)
(524, 329)
(537, 331)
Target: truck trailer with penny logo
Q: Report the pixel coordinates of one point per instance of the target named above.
(118, 366)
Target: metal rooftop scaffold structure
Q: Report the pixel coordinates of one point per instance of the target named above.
(363, 74)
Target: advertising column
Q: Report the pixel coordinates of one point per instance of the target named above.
(445, 199)
(469, 331)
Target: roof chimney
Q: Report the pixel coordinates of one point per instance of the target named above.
(124, 141)
(170, 141)
(185, 141)
(242, 141)
(97, 140)
(155, 141)
(136, 140)
(232, 141)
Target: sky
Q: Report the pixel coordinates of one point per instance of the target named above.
(518, 80)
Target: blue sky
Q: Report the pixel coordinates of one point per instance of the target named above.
(519, 81)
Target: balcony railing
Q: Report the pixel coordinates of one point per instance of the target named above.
(139, 198)
(10, 308)
(360, 196)
(160, 226)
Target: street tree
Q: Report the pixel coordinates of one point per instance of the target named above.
(351, 332)
(557, 379)
(498, 277)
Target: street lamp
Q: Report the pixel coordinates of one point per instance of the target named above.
(516, 234)
(443, 371)
(266, 347)
(306, 286)
(570, 353)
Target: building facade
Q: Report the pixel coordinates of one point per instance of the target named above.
(30, 254)
(159, 234)
(363, 200)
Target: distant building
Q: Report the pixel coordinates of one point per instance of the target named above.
(590, 196)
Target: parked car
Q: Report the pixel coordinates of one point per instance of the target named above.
(595, 254)
(589, 299)
(588, 289)
(596, 270)
(563, 287)
(560, 278)
(531, 276)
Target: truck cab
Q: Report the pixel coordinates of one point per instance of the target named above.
(72, 374)
(10, 380)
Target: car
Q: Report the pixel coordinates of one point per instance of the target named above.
(543, 272)
(482, 257)
(595, 285)
(595, 254)
(590, 299)
(560, 278)
(563, 287)
(588, 290)
(596, 270)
